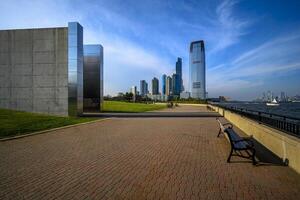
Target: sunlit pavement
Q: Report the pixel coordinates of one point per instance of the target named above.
(137, 158)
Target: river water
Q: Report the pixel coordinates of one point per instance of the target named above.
(285, 109)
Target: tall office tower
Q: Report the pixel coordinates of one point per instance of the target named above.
(269, 96)
(179, 72)
(44, 70)
(197, 70)
(143, 87)
(155, 86)
(169, 86)
(92, 78)
(282, 96)
(176, 84)
(133, 90)
(147, 89)
(164, 84)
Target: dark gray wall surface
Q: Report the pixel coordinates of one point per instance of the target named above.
(34, 70)
(93, 78)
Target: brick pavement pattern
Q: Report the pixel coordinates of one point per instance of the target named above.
(136, 158)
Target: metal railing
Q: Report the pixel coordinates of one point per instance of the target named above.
(289, 125)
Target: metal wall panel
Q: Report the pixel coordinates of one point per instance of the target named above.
(75, 69)
(93, 78)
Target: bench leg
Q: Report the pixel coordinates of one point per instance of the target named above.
(253, 157)
(228, 159)
(220, 131)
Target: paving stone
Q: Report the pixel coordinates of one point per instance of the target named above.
(137, 158)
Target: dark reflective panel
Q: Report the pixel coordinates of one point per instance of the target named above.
(93, 78)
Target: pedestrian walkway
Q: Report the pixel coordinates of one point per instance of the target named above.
(137, 158)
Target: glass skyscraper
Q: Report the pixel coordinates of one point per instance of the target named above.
(197, 70)
(143, 88)
(155, 86)
(176, 84)
(179, 82)
(164, 84)
(169, 87)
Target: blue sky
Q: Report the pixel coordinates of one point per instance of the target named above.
(251, 46)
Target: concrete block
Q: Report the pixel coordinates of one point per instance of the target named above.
(4, 44)
(43, 45)
(21, 93)
(44, 92)
(62, 80)
(4, 93)
(4, 58)
(21, 58)
(5, 70)
(4, 36)
(22, 35)
(5, 81)
(23, 46)
(44, 57)
(62, 33)
(44, 81)
(51, 106)
(62, 92)
(44, 69)
(22, 69)
(44, 34)
(62, 56)
(63, 68)
(21, 81)
(21, 104)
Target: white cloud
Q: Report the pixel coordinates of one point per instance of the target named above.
(229, 28)
(272, 58)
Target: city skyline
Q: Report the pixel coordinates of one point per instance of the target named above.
(251, 46)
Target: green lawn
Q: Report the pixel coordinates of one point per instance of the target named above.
(118, 106)
(17, 123)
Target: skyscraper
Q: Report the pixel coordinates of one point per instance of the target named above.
(143, 87)
(197, 70)
(179, 82)
(175, 83)
(163, 84)
(169, 87)
(155, 86)
(133, 90)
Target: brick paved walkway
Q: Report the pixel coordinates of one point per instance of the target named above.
(151, 158)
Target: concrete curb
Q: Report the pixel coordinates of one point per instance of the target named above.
(154, 114)
(50, 130)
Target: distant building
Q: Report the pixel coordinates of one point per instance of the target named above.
(169, 87)
(133, 90)
(282, 97)
(179, 82)
(197, 70)
(155, 86)
(143, 88)
(158, 97)
(222, 98)
(185, 95)
(176, 84)
(163, 84)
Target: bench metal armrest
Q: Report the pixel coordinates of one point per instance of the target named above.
(228, 124)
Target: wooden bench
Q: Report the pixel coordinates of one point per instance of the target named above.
(239, 145)
(223, 126)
